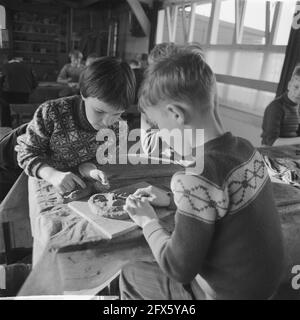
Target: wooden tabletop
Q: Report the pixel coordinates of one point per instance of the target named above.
(89, 263)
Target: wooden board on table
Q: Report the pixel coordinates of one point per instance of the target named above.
(112, 228)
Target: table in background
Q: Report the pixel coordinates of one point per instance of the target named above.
(46, 91)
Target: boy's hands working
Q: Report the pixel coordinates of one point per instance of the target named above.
(89, 170)
(140, 210)
(63, 181)
(154, 195)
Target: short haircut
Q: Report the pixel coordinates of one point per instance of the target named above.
(162, 50)
(109, 80)
(296, 72)
(76, 54)
(182, 77)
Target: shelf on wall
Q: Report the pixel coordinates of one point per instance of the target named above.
(33, 42)
(38, 24)
(37, 33)
(39, 53)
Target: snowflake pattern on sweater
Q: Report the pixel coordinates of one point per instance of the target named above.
(58, 135)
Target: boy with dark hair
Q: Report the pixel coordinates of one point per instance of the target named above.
(63, 132)
(282, 115)
(227, 239)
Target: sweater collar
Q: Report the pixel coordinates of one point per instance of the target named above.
(81, 116)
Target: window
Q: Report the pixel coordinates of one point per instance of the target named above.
(227, 22)
(246, 49)
(2, 18)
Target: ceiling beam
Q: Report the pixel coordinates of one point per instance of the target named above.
(141, 16)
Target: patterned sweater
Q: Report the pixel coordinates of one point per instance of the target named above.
(281, 119)
(59, 135)
(227, 229)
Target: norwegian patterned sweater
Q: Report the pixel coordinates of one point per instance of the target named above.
(227, 228)
(281, 119)
(58, 135)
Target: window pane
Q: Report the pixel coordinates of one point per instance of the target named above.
(2, 18)
(254, 23)
(201, 22)
(179, 38)
(227, 22)
(256, 65)
(244, 99)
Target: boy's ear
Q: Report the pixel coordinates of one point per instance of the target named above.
(82, 97)
(177, 112)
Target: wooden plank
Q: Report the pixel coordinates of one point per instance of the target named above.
(172, 14)
(160, 26)
(276, 21)
(247, 47)
(214, 20)
(140, 15)
(240, 9)
(192, 23)
(111, 228)
(248, 83)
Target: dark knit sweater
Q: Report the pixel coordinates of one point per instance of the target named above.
(226, 226)
(281, 119)
(59, 135)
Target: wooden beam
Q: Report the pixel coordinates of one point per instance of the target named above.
(247, 47)
(172, 21)
(240, 9)
(268, 22)
(276, 21)
(213, 26)
(160, 26)
(141, 16)
(248, 83)
(192, 23)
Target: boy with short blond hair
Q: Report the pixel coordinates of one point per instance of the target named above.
(227, 240)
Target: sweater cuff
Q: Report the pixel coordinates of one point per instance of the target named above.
(152, 227)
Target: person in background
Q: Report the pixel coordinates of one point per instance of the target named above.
(91, 58)
(18, 81)
(70, 74)
(282, 115)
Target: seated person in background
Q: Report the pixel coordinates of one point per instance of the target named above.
(282, 116)
(91, 58)
(70, 74)
(63, 132)
(227, 238)
(18, 81)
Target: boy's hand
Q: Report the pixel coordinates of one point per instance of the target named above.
(154, 195)
(65, 181)
(140, 210)
(89, 170)
(99, 175)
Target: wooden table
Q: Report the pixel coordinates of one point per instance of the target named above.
(46, 91)
(83, 258)
(90, 263)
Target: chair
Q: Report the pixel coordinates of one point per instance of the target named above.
(19, 111)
